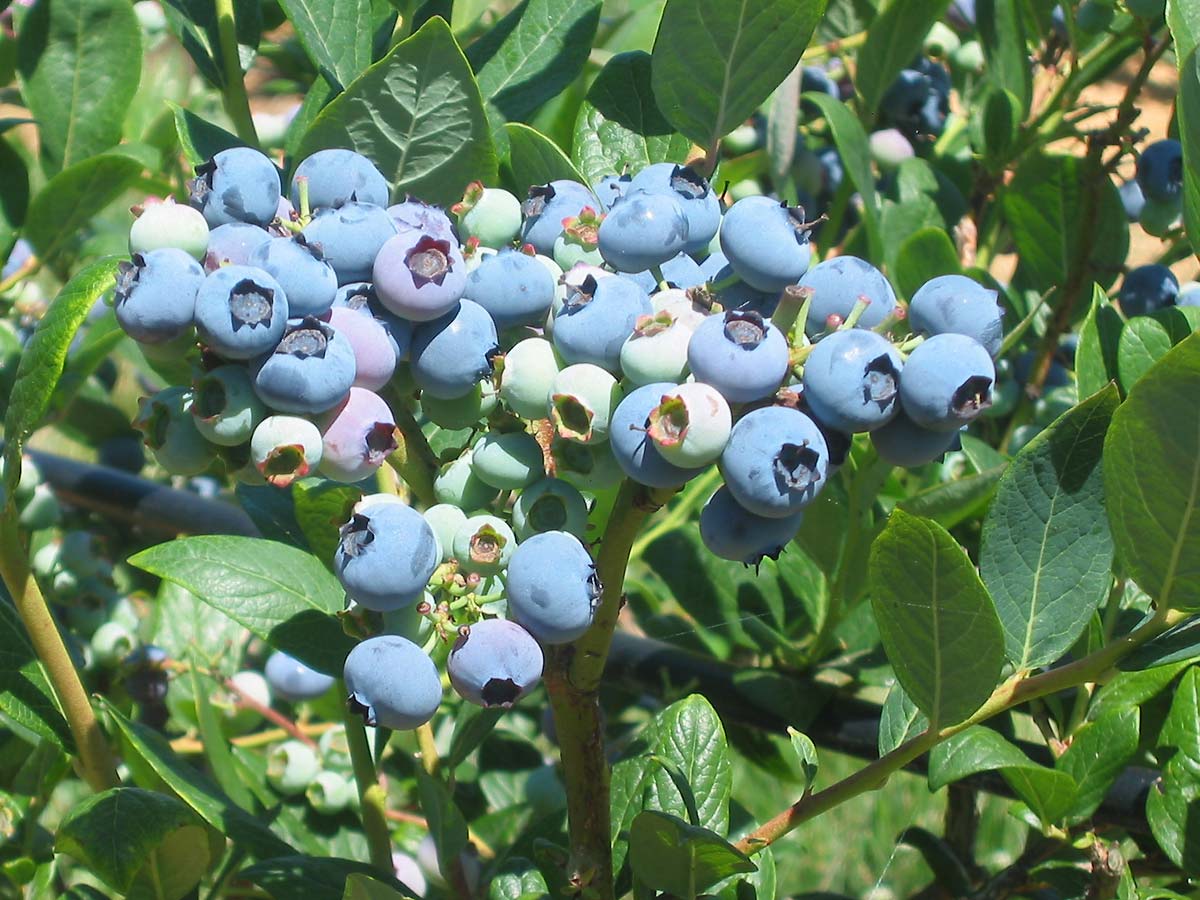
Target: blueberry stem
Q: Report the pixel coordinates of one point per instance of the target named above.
(95, 757)
(413, 459)
(856, 313)
(430, 760)
(371, 794)
(911, 344)
(23, 271)
(791, 315)
(233, 92)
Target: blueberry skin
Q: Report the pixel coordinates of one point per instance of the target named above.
(386, 555)
(680, 270)
(419, 276)
(634, 449)
(236, 185)
(170, 432)
(350, 237)
(233, 244)
(837, 284)
(374, 349)
(852, 380)
(765, 243)
(513, 287)
(740, 354)
(1160, 171)
(902, 442)
(553, 588)
(549, 505)
(545, 208)
(292, 680)
(392, 683)
(338, 177)
(776, 461)
(241, 311)
(738, 535)
(309, 371)
(1132, 199)
(700, 205)
(494, 663)
(612, 188)
(356, 437)
(361, 296)
(957, 305)
(1147, 289)
(155, 298)
(417, 215)
(452, 354)
(947, 382)
(596, 319)
(300, 268)
(643, 230)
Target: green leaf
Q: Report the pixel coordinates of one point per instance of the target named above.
(417, 114)
(14, 196)
(924, 255)
(322, 506)
(716, 61)
(995, 131)
(1181, 729)
(952, 502)
(360, 886)
(194, 22)
(894, 38)
(1132, 689)
(948, 870)
(1178, 644)
(68, 201)
(196, 790)
(184, 623)
(689, 735)
(851, 142)
(1098, 753)
(938, 625)
(125, 833)
(43, 359)
(1173, 814)
(447, 826)
(1002, 34)
(336, 35)
(1046, 554)
(627, 791)
(216, 748)
(1152, 458)
(899, 720)
(533, 159)
(669, 855)
(806, 754)
(543, 45)
(200, 140)
(620, 127)
(310, 877)
(517, 878)
(1047, 792)
(1099, 337)
(283, 595)
(1043, 203)
(25, 695)
(472, 725)
(80, 63)
(1146, 339)
(1187, 112)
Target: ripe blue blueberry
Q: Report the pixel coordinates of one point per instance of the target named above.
(700, 205)
(309, 371)
(155, 298)
(513, 287)
(494, 663)
(838, 283)
(419, 276)
(392, 683)
(549, 505)
(947, 382)
(350, 237)
(338, 177)
(292, 680)
(386, 555)
(734, 533)
(612, 188)
(451, 354)
(902, 442)
(643, 230)
(740, 354)
(766, 242)
(233, 244)
(225, 406)
(634, 449)
(417, 215)
(241, 312)
(852, 380)
(553, 588)
(1160, 171)
(545, 208)
(597, 317)
(1147, 289)
(776, 461)
(955, 304)
(301, 270)
(356, 437)
(236, 185)
(284, 448)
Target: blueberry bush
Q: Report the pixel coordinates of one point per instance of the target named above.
(590, 447)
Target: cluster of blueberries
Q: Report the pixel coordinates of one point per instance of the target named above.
(636, 330)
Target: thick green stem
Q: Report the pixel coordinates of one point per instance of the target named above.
(413, 460)
(1021, 688)
(572, 677)
(233, 93)
(95, 757)
(372, 797)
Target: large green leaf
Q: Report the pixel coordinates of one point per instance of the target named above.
(69, 201)
(1152, 462)
(1099, 337)
(447, 826)
(14, 196)
(80, 62)
(620, 127)
(923, 255)
(893, 40)
(195, 789)
(533, 159)
(899, 720)
(322, 506)
(1146, 339)
(689, 736)
(283, 595)
(418, 115)
(1181, 730)
(1180, 643)
(1046, 555)
(937, 623)
(42, 361)
(336, 35)
(1173, 814)
(313, 878)
(534, 53)
(1002, 35)
(133, 839)
(194, 22)
(201, 140)
(25, 696)
(670, 855)
(715, 61)
(185, 624)
(1097, 755)
(1187, 110)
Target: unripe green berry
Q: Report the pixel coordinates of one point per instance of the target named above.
(462, 412)
(169, 224)
(529, 371)
(508, 460)
(111, 643)
(581, 403)
(656, 351)
(484, 544)
(549, 505)
(445, 520)
(691, 426)
(170, 432)
(291, 766)
(285, 448)
(492, 215)
(225, 406)
(329, 793)
(1158, 217)
(458, 485)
